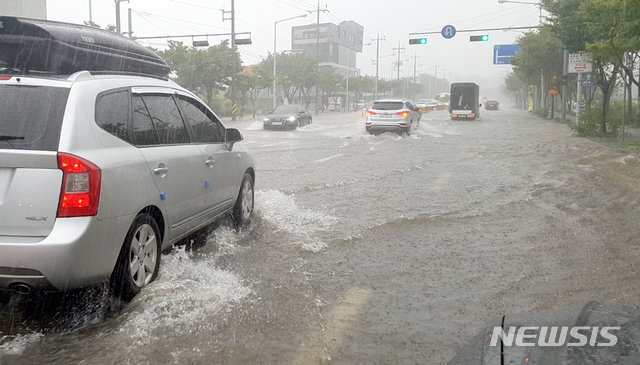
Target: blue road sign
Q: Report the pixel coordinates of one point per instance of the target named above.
(503, 52)
(587, 81)
(448, 31)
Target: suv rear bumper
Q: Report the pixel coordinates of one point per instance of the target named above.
(78, 252)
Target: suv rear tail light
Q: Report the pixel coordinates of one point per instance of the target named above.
(470, 115)
(80, 192)
(404, 114)
(453, 115)
(371, 113)
(5, 77)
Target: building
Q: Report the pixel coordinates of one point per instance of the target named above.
(338, 44)
(36, 9)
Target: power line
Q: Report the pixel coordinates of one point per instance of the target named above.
(464, 20)
(498, 17)
(194, 5)
(261, 30)
(162, 17)
(166, 21)
(293, 6)
(148, 21)
(310, 6)
(528, 16)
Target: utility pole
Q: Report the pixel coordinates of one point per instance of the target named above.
(375, 92)
(400, 49)
(118, 16)
(435, 76)
(317, 11)
(317, 56)
(118, 27)
(130, 23)
(232, 87)
(233, 61)
(90, 12)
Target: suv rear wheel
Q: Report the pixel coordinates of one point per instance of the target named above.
(139, 258)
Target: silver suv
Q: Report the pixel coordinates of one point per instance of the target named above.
(397, 115)
(100, 172)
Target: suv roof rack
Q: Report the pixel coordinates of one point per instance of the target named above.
(128, 73)
(49, 47)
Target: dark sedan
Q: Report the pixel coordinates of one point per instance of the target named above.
(491, 105)
(287, 117)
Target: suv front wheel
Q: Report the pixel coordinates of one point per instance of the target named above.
(243, 210)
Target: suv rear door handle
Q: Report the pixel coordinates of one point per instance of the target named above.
(210, 161)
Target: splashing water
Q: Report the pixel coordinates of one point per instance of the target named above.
(301, 225)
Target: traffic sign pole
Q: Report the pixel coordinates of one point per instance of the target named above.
(564, 84)
(579, 96)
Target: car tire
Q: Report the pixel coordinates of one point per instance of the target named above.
(297, 124)
(369, 130)
(266, 127)
(142, 245)
(243, 210)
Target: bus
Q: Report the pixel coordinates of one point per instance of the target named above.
(443, 100)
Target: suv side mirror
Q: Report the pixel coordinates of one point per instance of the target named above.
(232, 135)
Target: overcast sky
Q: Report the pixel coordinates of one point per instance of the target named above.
(394, 20)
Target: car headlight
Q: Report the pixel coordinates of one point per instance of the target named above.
(291, 118)
(266, 119)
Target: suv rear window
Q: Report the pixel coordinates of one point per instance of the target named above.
(31, 117)
(388, 105)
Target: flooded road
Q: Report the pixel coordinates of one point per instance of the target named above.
(376, 249)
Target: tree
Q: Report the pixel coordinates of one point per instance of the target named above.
(607, 29)
(614, 28)
(541, 55)
(329, 81)
(208, 71)
(252, 82)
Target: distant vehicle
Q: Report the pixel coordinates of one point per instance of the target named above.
(287, 117)
(433, 104)
(491, 105)
(465, 101)
(101, 169)
(386, 115)
(421, 104)
(366, 107)
(443, 100)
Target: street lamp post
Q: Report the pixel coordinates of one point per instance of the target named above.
(274, 52)
(348, 69)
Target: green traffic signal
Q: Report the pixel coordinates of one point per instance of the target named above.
(479, 38)
(418, 41)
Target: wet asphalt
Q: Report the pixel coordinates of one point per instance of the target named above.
(372, 250)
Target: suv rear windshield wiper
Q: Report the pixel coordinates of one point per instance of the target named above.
(9, 138)
(4, 138)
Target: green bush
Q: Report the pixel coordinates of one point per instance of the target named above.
(541, 113)
(591, 118)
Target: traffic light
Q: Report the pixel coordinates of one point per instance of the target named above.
(479, 38)
(418, 40)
